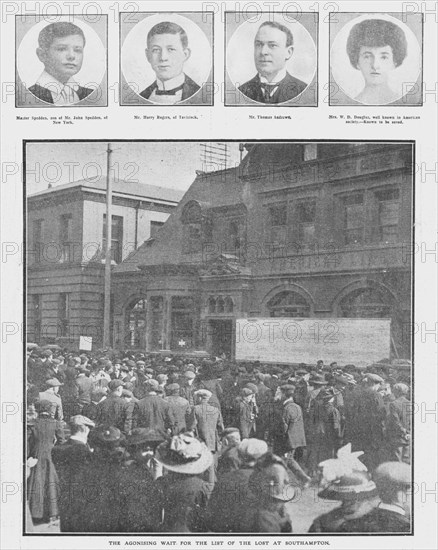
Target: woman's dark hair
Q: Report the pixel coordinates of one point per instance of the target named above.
(376, 33)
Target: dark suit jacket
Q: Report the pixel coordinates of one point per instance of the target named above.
(378, 521)
(288, 88)
(208, 420)
(46, 95)
(189, 88)
(154, 412)
(114, 411)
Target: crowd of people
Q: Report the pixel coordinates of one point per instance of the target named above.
(138, 442)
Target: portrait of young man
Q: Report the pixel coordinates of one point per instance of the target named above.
(62, 48)
(375, 61)
(282, 55)
(167, 57)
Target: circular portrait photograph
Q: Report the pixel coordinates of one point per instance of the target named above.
(271, 59)
(61, 63)
(375, 59)
(166, 59)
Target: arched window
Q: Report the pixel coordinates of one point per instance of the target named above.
(288, 304)
(366, 302)
(220, 305)
(192, 222)
(229, 306)
(136, 325)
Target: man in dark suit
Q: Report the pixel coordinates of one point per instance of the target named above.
(153, 411)
(114, 410)
(273, 47)
(61, 50)
(167, 51)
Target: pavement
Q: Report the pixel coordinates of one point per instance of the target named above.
(303, 509)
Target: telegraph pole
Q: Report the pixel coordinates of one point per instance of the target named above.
(107, 282)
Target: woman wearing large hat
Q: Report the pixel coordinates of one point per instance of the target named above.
(347, 481)
(182, 493)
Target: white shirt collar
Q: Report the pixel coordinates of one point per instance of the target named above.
(392, 508)
(288, 400)
(278, 78)
(171, 83)
(62, 94)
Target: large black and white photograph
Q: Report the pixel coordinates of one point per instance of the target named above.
(376, 59)
(166, 59)
(61, 61)
(271, 59)
(232, 353)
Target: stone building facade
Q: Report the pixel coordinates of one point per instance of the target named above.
(66, 228)
(318, 230)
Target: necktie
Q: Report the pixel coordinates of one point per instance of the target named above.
(169, 92)
(268, 91)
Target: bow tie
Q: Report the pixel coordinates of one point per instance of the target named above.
(169, 92)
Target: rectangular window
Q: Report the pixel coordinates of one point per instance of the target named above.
(37, 235)
(36, 314)
(389, 213)
(155, 227)
(66, 237)
(278, 223)
(353, 219)
(306, 221)
(63, 313)
(116, 238)
(182, 322)
(310, 151)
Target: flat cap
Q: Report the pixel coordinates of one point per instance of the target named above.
(252, 387)
(397, 474)
(151, 384)
(203, 394)
(190, 374)
(246, 391)
(114, 384)
(53, 382)
(80, 420)
(173, 388)
(374, 378)
(149, 370)
(252, 449)
(161, 378)
(230, 430)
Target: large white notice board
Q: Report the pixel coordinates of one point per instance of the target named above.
(287, 340)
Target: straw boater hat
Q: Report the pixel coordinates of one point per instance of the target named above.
(184, 454)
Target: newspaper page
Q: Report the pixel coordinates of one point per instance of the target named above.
(219, 274)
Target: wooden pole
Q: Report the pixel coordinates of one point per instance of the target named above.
(107, 281)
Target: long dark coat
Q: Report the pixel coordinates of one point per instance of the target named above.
(153, 412)
(72, 461)
(293, 425)
(43, 479)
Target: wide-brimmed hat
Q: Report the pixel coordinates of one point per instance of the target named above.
(107, 436)
(353, 486)
(140, 436)
(184, 454)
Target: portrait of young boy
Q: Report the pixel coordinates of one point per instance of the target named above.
(61, 50)
(167, 51)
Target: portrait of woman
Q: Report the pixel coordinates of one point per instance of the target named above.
(376, 47)
(375, 59)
